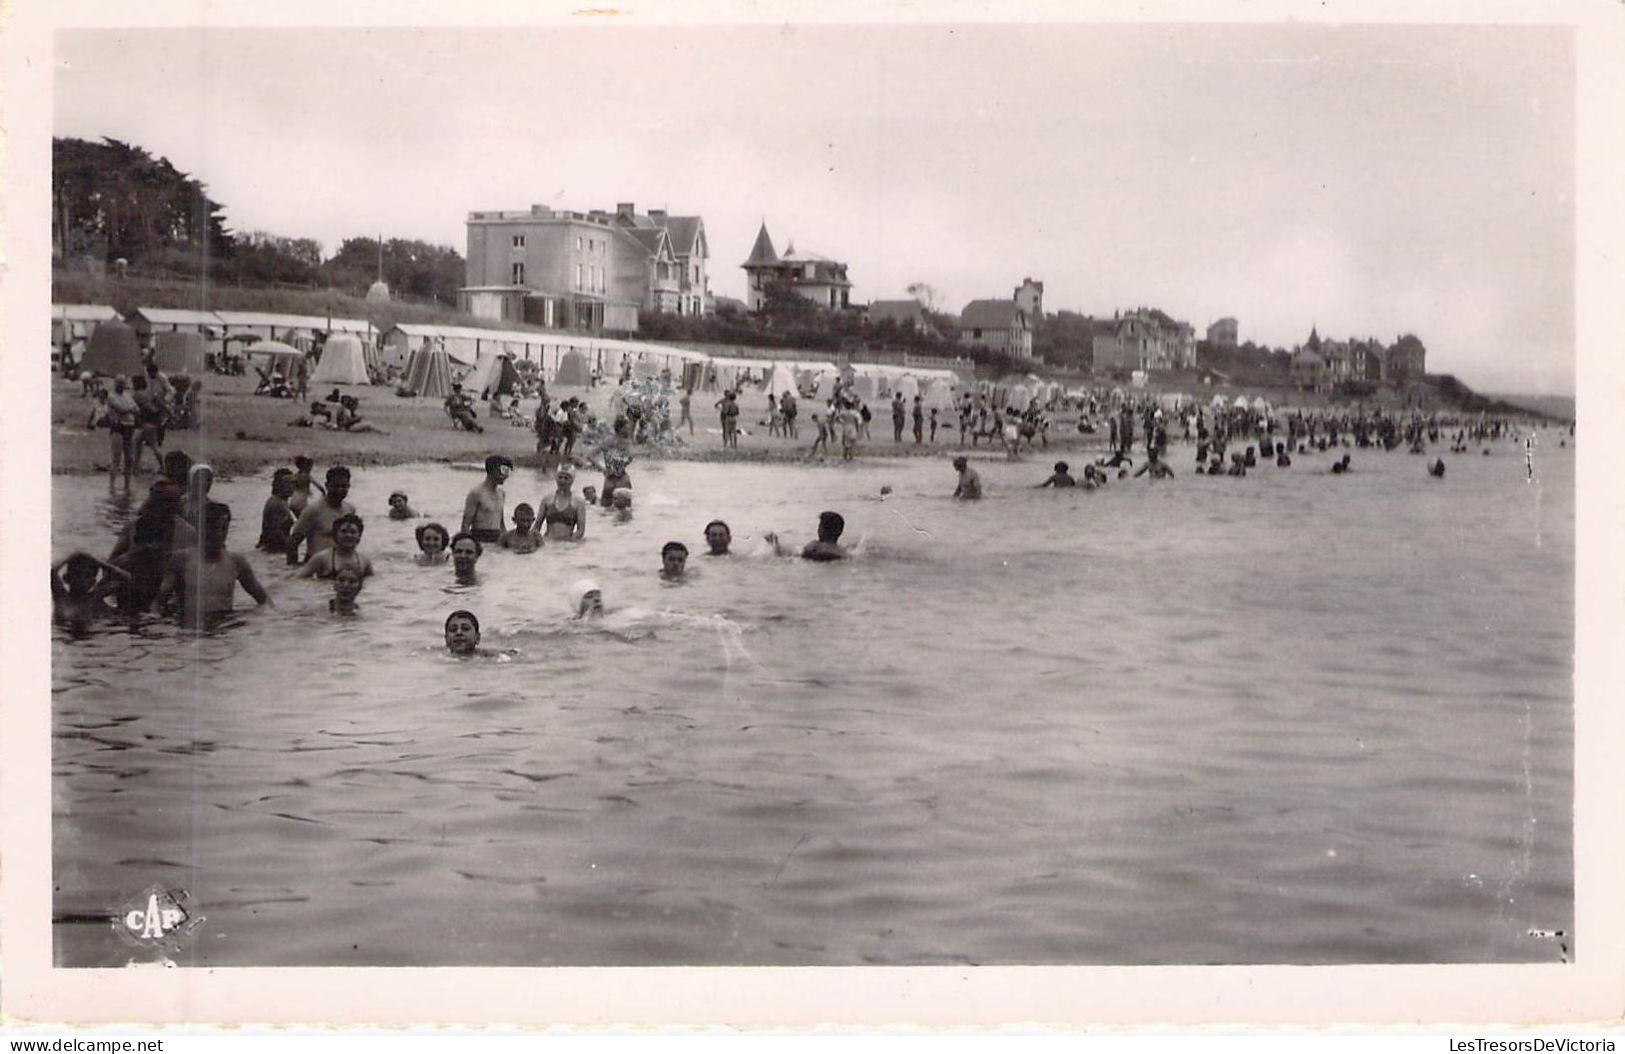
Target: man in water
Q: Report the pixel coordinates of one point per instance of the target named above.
(316, 522)
(969, 487)
(276, 519)
(522, 538)
(673, 558)
(1062, 477)
(717, 538)
(484, 510)
(827, 546)
(465, 553)
(463, 634)
(1156, 466)
(206, 578)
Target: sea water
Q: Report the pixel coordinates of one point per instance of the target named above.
(1295, 717)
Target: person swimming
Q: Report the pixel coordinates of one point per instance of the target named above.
(465, 553)
(433, 540)
(347, 583)
(673, 560)
(563, 513)
(347, 530)
(522, 536)
(825, 548)
(399, 509)
(586, 599)
(969, 487)
(463, 634)
(1437, 468)
(1061, 477)
(718, 537)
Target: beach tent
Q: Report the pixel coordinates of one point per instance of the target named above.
(1241, 402)
(826, 386)
(1259, 404)
(782, 380)
(343, 362)
(428, 372)
(178, 352)
(939, 395)
(1219, 401)
(907, 387)
(573, 370)
(280, 360)
(114, 349)
(494, 374)
(1018, 397)
(867, 387)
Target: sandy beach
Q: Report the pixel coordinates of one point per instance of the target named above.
(242, 432)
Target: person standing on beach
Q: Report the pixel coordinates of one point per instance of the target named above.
(485, 509)
(772, 414)
(122, 414)
(787, 407)
(685, 419)
(847, 422)
(316, 522)
(728, 412)
(933, 424)
(919, 421)
(898, 414)
(864, 417)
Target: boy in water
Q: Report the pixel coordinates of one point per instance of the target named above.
(206, 578)
(81, 586)
(827, 547)
(398, 507)
(521, 538)
(622, 500)
(969, 487)
(717, 538)
(329, 562)
(463, 634)
(1156, 466)
(465, 553)
(433, 541)
(1061, 478)
(346, 587)
(277, 518)
(673, 558)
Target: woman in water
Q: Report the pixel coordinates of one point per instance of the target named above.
(563, 513)
(433, 541)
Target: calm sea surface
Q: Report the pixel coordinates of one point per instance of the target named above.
(1296, 718)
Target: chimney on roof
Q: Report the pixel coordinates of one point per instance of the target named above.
(658, 215)
(624, 210)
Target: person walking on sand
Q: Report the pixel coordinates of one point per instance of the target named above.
(683, 403)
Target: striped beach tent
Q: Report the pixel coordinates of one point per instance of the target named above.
(428, 372)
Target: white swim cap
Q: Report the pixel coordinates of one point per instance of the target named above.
(578, 592)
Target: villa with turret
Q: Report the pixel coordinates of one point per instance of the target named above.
(817, 278)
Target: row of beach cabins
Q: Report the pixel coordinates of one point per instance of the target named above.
(427, 358)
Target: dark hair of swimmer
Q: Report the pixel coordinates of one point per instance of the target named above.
(831, 524)
(718, 523)
(445, 535)
(479, 550)
(673, 547)
(350, 517)
(469, 615)
(960, 462)
(1061, 466)
(338, 472)
(496, 461)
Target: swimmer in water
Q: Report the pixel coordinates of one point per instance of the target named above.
(346, 536)
(483, 511)
(463, 634)
(827, 546)
(465, 553)
(969, 487)
(563, 513)
(522, 537)
(1062, 477)
(1437, 468)
(622, 501)
(1281, 458)
(316, 521)
(589, 494)
(82, 587)
(586, 599)
(673, 559)
(1157, 467)
(346, 587)
(206, 578)
(398, 507)
(717, 538)
(433, 540)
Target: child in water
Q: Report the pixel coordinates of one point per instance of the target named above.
(82, 585)
(622, 499)
(1061, 478)
(586, 599)
(432, 543)
(463, 634)
(398, 507)
(673, 558)
(520, 538)
(346, 587)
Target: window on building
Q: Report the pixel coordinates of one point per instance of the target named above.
(976, 334)
(519, 274)
(519, 241)
(578, 243)
(578, 274)
(811, 271)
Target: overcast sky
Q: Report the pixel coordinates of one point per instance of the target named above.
(1369, 180)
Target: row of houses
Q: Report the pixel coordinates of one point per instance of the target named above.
(1320, 362)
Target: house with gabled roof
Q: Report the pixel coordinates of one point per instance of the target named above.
(817, 278)
(685, 238)
(997, 325)
(906, 315)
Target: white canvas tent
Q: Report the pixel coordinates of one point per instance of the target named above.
(907, 387)
(343, 362)
(782, 380)
(114, 350)
(938, 394)
(428, 372)
(494, 374)
(573, 371)
(1241, 402)
(1017, 397)
(826, 386)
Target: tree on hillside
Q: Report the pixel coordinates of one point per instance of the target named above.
(413, 267)
(1065, 338)
(781, 303)
(112, 199)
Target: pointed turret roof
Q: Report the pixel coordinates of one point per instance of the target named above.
(1314, 340)
(762, 254)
